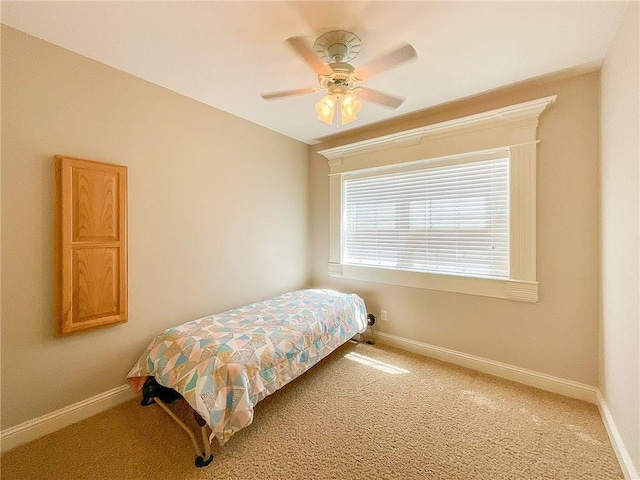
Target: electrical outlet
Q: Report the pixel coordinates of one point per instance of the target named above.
(383, 315)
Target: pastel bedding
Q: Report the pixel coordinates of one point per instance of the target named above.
(224, 364)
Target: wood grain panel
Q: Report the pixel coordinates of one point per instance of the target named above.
(95, 205)
(90, 245)
(96, 283)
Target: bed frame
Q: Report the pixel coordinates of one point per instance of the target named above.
(342, 316)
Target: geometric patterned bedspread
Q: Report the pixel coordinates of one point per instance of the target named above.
(224, 364)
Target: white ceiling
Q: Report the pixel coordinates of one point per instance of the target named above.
(225, 53)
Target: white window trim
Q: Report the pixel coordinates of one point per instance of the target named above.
(513, 128)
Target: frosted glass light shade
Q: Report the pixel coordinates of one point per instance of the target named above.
(325, 109)
(350, 108)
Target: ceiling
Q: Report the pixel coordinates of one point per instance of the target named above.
(226, 53)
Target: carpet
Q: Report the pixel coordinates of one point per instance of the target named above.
(365, 412)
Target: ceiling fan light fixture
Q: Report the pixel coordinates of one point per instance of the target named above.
(325, 109)
(338, 99)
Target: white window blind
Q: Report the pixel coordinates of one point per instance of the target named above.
(451, 219)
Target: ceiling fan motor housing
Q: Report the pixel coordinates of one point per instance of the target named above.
(338, 79)
(337, 48)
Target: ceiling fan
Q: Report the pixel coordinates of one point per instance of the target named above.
(329, 59)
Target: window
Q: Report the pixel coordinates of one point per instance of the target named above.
(449, 206)
(442, 219)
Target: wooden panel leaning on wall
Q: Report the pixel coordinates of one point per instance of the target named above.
(90, 245)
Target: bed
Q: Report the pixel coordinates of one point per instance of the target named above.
(224, 364)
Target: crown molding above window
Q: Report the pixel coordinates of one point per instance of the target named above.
(503, 127)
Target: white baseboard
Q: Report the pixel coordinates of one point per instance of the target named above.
(543, 381)
(630, 472)
(49, 423)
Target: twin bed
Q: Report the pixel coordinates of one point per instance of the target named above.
(224, 364)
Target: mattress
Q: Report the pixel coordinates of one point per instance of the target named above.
(224, 364)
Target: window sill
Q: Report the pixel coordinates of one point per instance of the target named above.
(521, 291)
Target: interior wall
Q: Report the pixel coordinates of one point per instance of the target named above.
(217, 216)
(620, 233)
(559, 334)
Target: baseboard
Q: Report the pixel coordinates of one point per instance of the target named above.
(543, 381)
(630, 472)
(49, 423)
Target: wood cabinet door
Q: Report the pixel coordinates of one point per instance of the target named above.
(91, 245)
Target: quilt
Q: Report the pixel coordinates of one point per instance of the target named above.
(224, 364)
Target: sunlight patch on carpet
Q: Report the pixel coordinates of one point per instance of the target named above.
(582, 435)
(377, 364)
(479, 399)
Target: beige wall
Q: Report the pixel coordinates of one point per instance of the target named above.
(620, 232)
(217, 216)
(559, 334)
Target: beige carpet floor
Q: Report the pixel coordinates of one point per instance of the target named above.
(363, 413)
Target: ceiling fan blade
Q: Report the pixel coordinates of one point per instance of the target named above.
(309, 56)
(378, 97)
(287, 93)
(386, 61)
